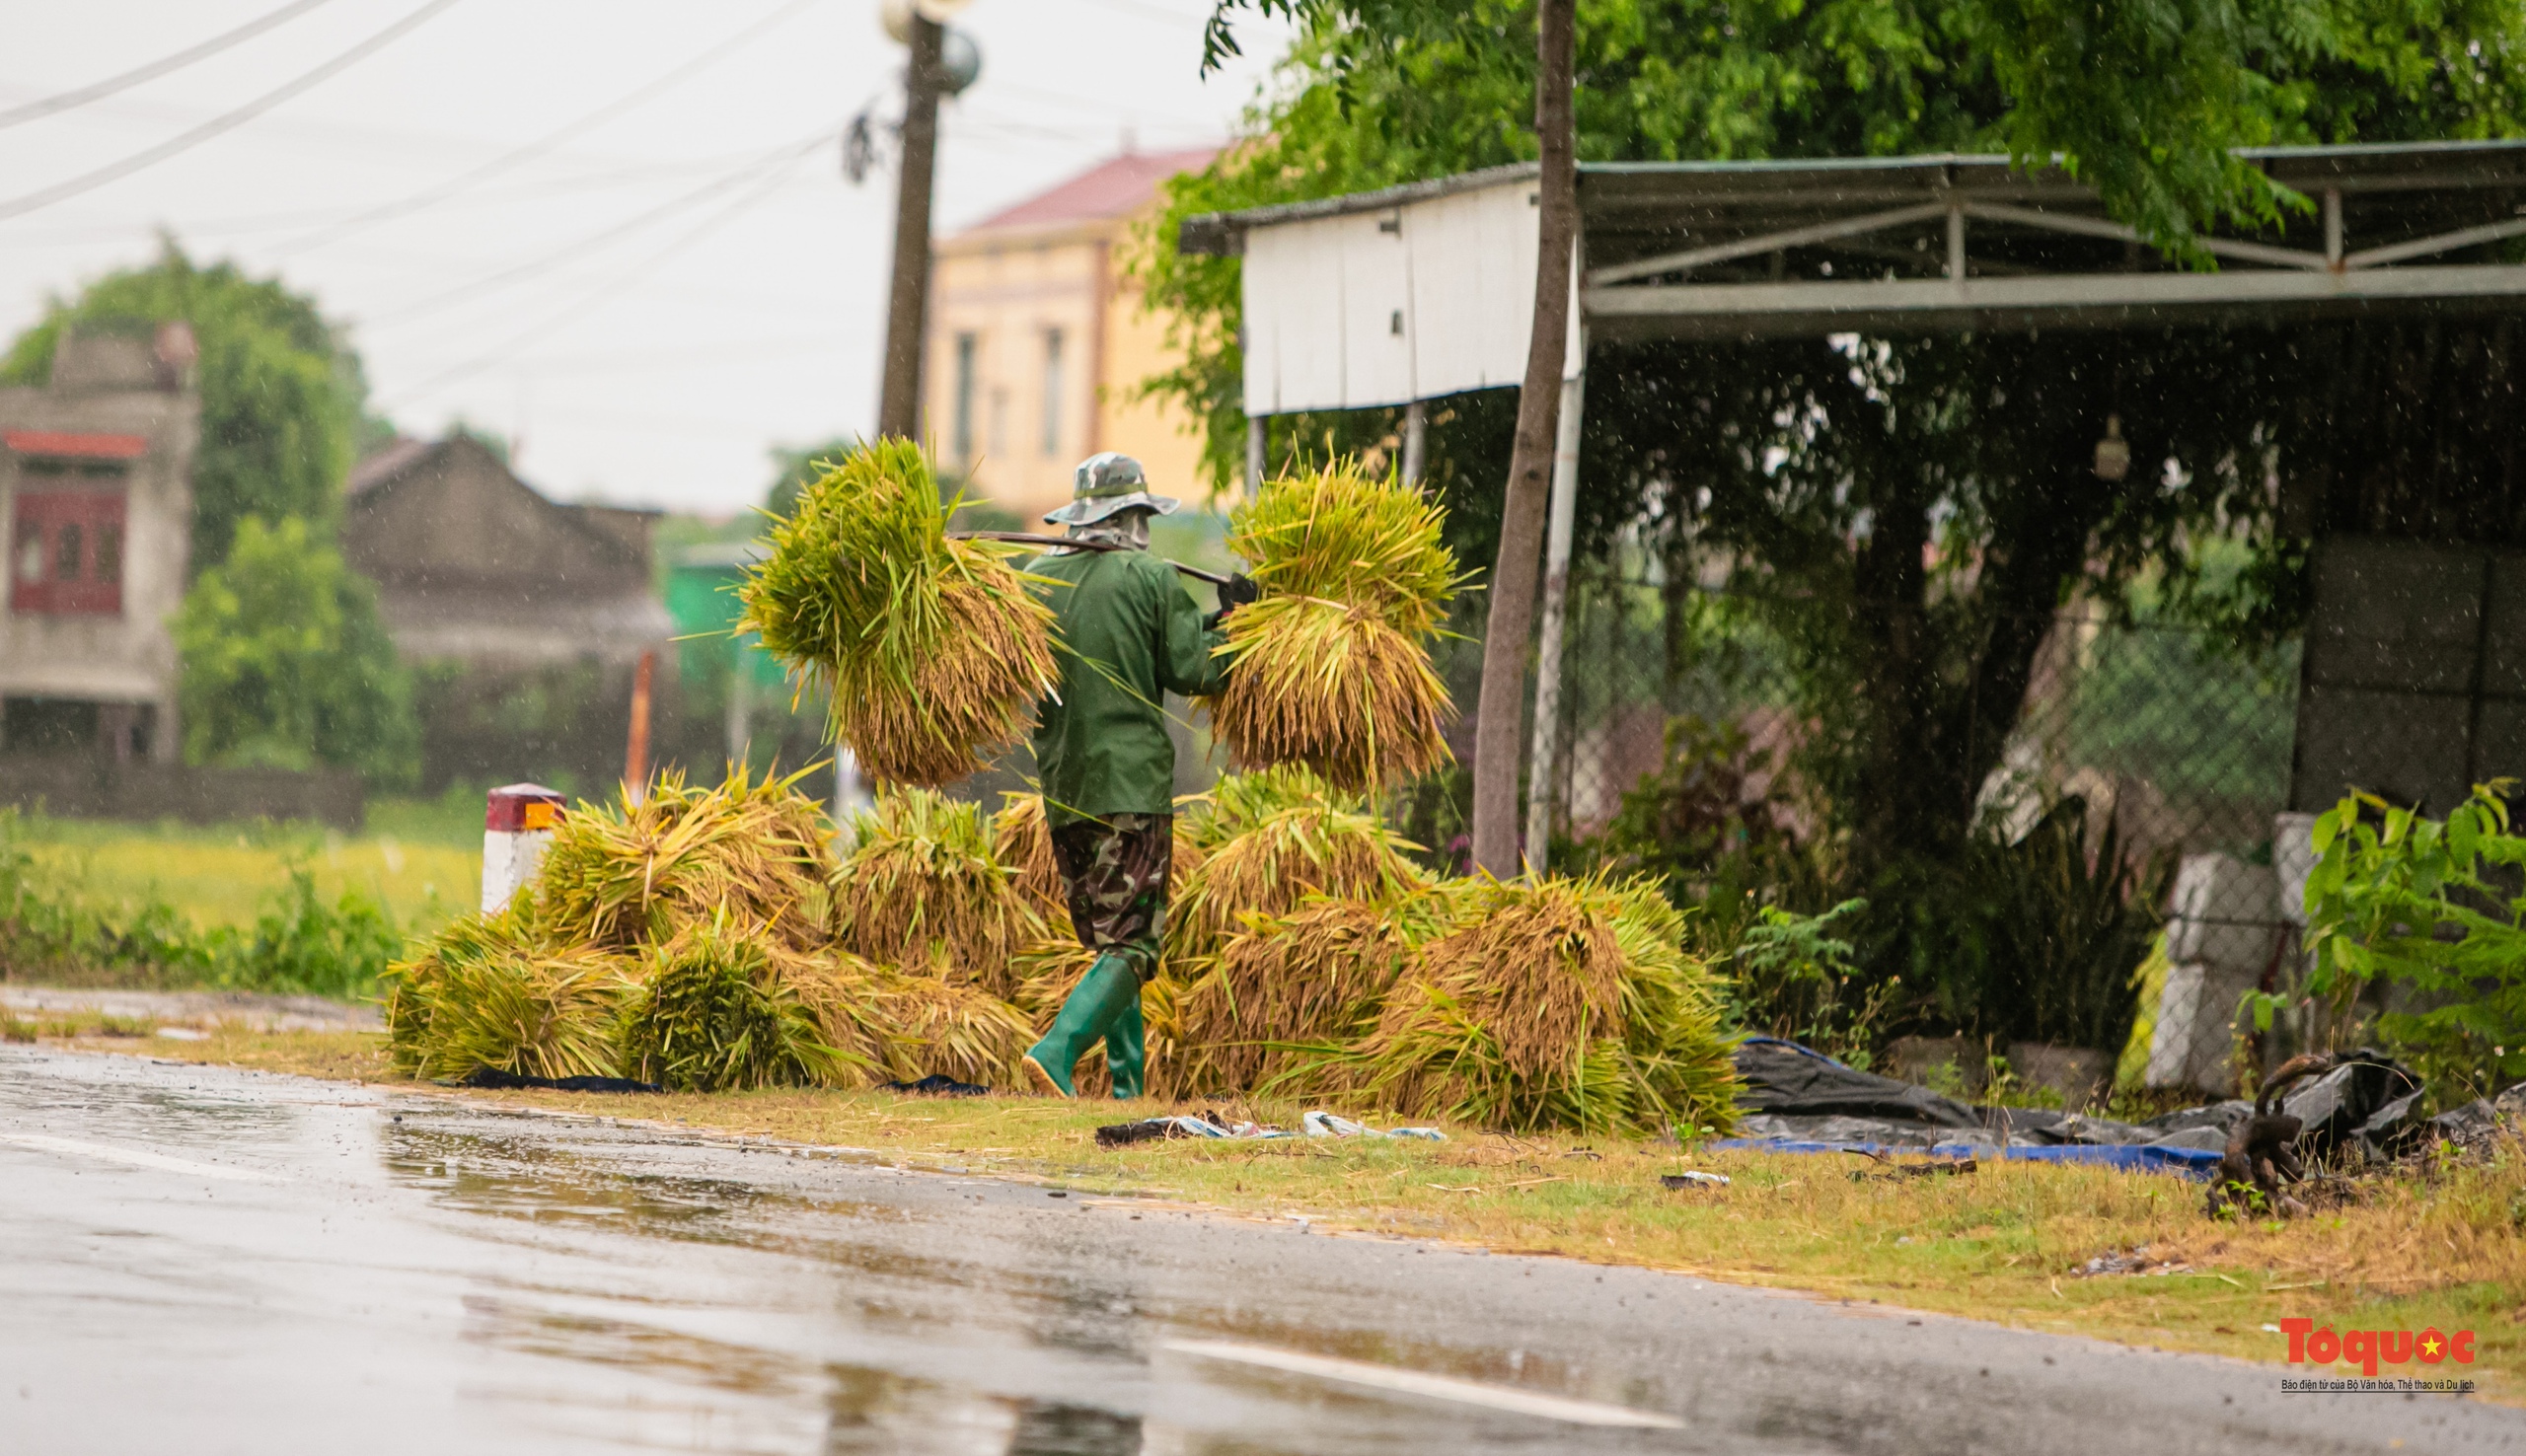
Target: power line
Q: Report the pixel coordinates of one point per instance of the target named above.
(605, 292)
(163, 66)
(603, 237)
(224, 122)
(428, 196)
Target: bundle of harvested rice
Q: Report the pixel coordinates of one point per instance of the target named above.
(932, 649)
(1287, 992)
(932, 1026)
(712, 1014)
(480, 995)
(1554, 1004)
(1023, 844)
(923, 894)
(1283, 841)
(1675, 1045)
(1330, 666)
(621, 877)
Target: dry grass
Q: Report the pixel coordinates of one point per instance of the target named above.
(715, 1011)
(2439, 1246)
(925, 894)
(934, 649)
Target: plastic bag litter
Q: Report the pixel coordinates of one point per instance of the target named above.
(1326, 1124)
(1316, 1124)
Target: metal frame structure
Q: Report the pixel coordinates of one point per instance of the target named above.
(1929, 244)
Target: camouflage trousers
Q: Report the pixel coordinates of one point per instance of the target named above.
(1114, 876)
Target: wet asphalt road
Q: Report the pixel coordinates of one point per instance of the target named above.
(206, 1261)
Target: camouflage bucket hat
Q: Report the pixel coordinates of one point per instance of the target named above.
(1107, 483)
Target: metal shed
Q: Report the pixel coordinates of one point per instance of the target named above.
(1409, 293)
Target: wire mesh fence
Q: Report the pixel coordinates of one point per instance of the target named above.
(2162, 753)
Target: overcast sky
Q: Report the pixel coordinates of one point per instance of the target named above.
(649, 303)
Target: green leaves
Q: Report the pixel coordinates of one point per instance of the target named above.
(286, 664)
(2412, 900)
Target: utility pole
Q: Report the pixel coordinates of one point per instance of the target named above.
(1501, 708)
(908, 304)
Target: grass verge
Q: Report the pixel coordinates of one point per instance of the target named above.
(2443, 1246)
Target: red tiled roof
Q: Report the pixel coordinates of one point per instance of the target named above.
(82, 446)
(1114, 189)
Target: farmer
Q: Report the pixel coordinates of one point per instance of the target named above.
(1128, 633)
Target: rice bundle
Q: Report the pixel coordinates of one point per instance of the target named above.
(621, 877)
(932, 1026)
(1288, 990)
(1023, 842)
(934, 649)
(1275, 839)
(1563, 1003)
(480, 995)
(924, 894)
(1330, 670)
(711, 1014)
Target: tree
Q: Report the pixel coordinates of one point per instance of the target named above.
(1501, 711)
(1909, 515)
(285, 664)
(282, 395)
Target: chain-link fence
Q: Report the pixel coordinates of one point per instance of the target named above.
(2162, 759)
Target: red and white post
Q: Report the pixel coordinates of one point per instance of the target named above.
(517, 827)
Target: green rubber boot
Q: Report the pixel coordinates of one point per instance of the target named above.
(1126, 1050)
(1100, 996)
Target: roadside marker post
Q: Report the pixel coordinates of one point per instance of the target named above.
(517, 827)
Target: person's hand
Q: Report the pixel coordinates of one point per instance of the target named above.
(1235, 592)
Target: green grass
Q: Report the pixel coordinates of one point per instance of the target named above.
(413, 858)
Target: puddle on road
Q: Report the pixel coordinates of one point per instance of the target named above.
(893, 1284)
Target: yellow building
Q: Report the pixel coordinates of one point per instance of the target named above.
(1037, 343)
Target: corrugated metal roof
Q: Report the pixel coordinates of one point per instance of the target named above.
(1606, 187)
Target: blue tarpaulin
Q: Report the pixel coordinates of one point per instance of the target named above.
(2147, 1157)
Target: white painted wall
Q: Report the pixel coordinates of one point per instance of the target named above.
(1323, 298)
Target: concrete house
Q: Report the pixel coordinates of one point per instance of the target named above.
(96, 486)
(526, 615)
(1037, 341)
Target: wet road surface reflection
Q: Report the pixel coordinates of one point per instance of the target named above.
(295, 1266)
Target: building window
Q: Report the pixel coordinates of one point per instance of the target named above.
(962, 436)
(68, 552)
(1052, 392)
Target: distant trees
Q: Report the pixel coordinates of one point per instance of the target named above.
(285, 664)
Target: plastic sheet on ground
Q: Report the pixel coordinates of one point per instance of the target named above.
(1798, 1100)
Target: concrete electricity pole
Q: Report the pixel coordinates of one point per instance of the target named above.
(908, 304)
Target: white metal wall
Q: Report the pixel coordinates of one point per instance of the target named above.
(1382, 308)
